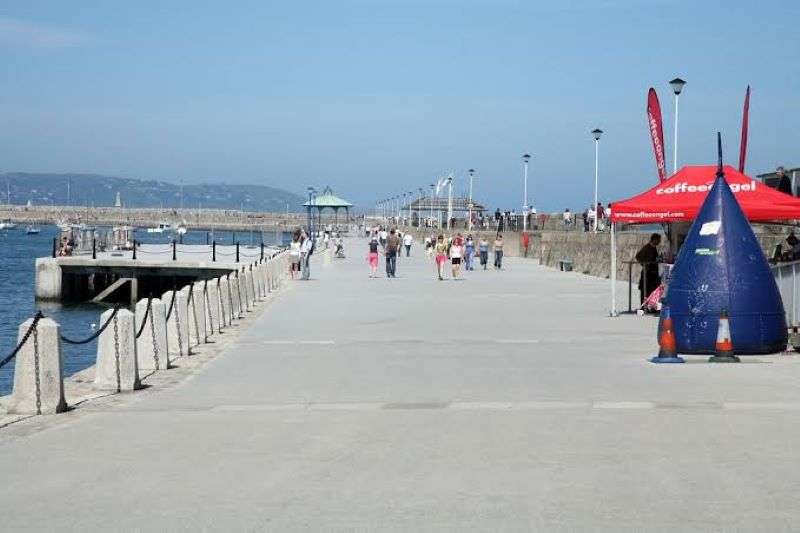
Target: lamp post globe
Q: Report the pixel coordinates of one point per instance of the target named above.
(677, 85)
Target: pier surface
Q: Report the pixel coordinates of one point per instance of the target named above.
(505, 401)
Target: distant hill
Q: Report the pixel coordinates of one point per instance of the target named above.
(96, 190)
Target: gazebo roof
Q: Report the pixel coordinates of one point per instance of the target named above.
(440, 204)
(328, 199)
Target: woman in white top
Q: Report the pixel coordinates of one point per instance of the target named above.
(456, 253)
(294, 254)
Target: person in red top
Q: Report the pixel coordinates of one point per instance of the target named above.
(526, 242)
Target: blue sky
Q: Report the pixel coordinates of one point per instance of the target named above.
(377, 98)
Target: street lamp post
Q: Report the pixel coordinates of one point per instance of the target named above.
(433, 188)
(398, 205)
(596, 133)
(677, 86)
(419, 207)
(310, 203)
(449, 201)
(410, 193)
(525, 159)
(471, 176)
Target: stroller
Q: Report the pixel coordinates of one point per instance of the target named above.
(652, 303)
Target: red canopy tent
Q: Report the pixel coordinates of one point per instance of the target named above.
(678, 199)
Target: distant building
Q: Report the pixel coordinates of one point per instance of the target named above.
(770, 179)
(118, 201)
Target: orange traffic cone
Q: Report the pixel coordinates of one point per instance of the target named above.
(667, 346)
(724, 346)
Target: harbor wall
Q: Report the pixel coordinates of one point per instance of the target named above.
(207, 219)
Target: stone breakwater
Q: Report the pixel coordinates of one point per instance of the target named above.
(140, 217)
(591, 253)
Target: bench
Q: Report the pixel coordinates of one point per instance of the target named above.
(565, 265)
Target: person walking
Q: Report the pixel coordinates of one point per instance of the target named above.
(408, 240)
(372, 257)
(469, 252)
(483, 250)
(391, 250)
(306, 249)
(440, 249)
(294, 254)
(498, 251)
(382, 236)
(456, 254)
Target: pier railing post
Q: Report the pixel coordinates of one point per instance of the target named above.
(237, 251)
(174, 250)
(213, 251)
(262, 250)
(134, 249)
(38, 374)
(94, 248)
(55, 246)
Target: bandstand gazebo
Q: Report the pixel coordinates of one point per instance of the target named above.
(328, 200)
(437, 208)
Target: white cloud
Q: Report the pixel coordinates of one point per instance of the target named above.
(19, 33)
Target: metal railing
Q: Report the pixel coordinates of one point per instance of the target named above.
(789, 287)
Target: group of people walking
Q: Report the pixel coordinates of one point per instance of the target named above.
(457, 251)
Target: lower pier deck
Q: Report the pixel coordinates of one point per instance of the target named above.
(506, 401)
(151, 271)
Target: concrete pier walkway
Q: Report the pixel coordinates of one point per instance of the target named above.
(505, 401)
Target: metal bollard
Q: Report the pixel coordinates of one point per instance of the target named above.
(174, 250)
(213, 251)
(237, 251)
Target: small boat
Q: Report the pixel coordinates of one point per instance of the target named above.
(181, 229)
(161, 228)
(32, 230)
(7, 224)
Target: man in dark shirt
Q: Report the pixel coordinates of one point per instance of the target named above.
(648, 258)
(784, 183)
(392, 247)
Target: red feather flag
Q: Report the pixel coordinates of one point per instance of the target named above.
(656, 126)
(745, 123)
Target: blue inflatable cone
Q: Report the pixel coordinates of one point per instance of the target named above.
(721, 266)
(667, 347)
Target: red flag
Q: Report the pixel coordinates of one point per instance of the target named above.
(656, 126)
(745, 122)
